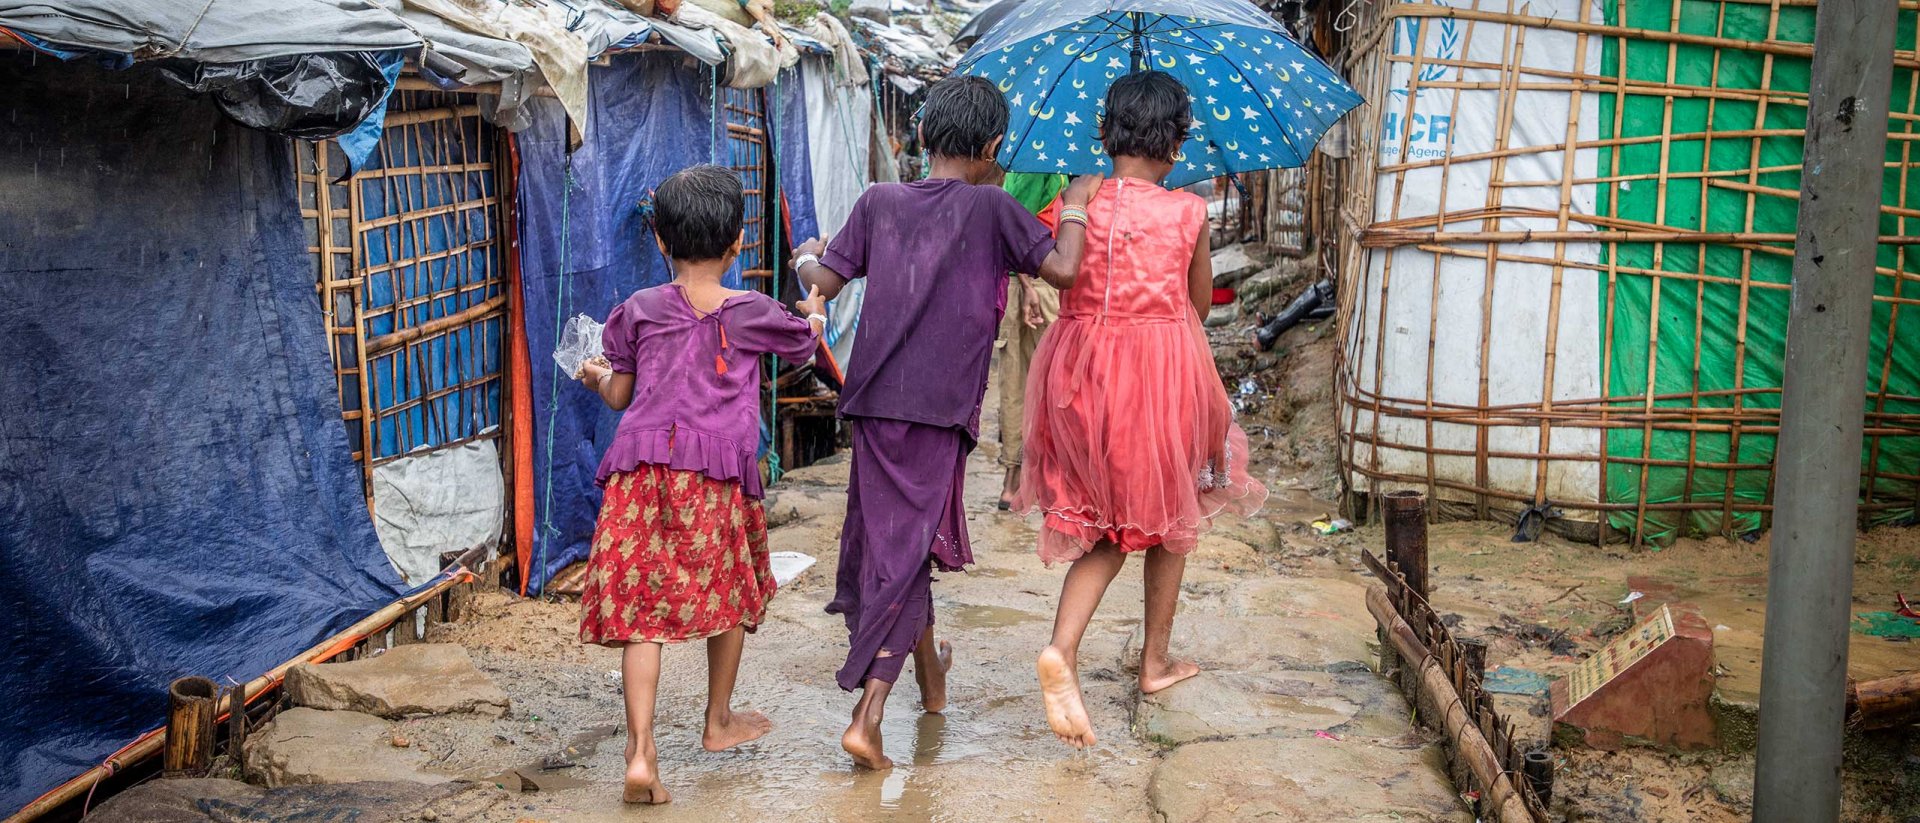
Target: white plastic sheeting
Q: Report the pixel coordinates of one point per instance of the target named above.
(839, 135)
(1410, 296)
(447, 500)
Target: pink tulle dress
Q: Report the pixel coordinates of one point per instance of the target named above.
(1130, 437)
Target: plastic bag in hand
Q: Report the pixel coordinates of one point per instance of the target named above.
(579, 343)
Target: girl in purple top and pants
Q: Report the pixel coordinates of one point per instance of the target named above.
(680, 549)
(936, 254)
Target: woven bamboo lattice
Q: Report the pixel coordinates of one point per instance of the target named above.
(1566, 248)
(412, 276)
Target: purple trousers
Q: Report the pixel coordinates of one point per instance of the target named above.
(905, 517)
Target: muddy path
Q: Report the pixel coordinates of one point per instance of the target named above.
(1266, 610)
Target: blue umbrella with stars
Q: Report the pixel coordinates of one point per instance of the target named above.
(1260, 100)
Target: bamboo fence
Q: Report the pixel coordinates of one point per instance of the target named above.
(412, 276)
(1676, 178)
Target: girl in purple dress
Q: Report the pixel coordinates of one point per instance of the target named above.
(680, 549)
(936, 254)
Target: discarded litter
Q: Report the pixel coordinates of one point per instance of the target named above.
(788, 566)
(1335, 526)
(1248, 386)
(1509, 680)
(1323, 735)
(1631, 596)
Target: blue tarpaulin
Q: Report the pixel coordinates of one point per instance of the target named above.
(585, 247)
(176, 493)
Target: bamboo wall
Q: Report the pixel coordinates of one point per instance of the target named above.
(412, 276)
(1567, 234)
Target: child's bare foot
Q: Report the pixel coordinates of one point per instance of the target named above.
(1060, 690)
(1008, 487)
(643, 779)
(862, 741)
(933, 678)
(734, 728)
(1156, 675)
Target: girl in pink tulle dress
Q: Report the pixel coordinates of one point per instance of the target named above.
(1131, 446)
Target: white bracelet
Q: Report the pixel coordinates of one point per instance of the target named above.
(802, 261)
(820, 317)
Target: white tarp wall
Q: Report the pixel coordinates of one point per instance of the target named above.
(1461, 303)
(839, 134)
(438, 501)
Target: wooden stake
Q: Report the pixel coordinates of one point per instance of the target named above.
(1501, 798)
(190, 727)
(1887, 703)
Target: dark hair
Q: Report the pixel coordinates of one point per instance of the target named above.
(962, 115)
(698, 211)
(1147, 116)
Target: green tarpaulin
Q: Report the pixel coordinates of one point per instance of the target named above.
(1699, 327)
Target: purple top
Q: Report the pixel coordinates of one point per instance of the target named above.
(688, 412)
(935, 254)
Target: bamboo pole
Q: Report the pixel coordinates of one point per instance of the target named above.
(1887, 703)
(190, 727)
(1502, 799)
(1907, 59)
(430, 328)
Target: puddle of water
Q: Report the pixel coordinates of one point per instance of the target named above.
(990, 617)
(983, 571)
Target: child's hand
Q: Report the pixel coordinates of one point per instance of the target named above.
(1030, 308)
(816, 247)
(816, 303)
(1081, 191)
(592, 373)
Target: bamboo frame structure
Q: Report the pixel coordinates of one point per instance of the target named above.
(413, 278)
(1630, 262)
(1444, 677)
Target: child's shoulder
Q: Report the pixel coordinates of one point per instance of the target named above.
(651, 298)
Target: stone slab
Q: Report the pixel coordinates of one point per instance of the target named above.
(226, 801)
(406, 681)
(1303, 780)
(1231, 705)
(305, 746)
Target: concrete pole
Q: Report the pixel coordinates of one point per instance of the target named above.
(1803, 685)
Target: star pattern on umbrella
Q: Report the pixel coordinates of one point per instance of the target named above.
(1260, 100)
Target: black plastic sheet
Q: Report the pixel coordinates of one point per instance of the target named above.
(307, 96)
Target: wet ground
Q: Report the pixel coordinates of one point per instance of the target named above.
(1288, 720)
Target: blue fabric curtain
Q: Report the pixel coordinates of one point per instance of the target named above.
(176, 492)
(585, 247)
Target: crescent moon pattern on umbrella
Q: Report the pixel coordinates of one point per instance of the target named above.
(1252, 87)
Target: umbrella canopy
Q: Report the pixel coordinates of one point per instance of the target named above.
(984, 22)
(1260, 100)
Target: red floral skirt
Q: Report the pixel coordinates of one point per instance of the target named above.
(676, 556)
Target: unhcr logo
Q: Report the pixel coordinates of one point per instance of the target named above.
(1426, 133)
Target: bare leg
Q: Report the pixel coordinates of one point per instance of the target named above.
(1059, 663)
(640, 683)
(931, 660)
(1157, 670)
(727, 728)
(862, 739)
(1008, 487)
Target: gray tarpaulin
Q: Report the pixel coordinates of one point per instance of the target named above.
(220, 31)
(437, 501)
(839, 134)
